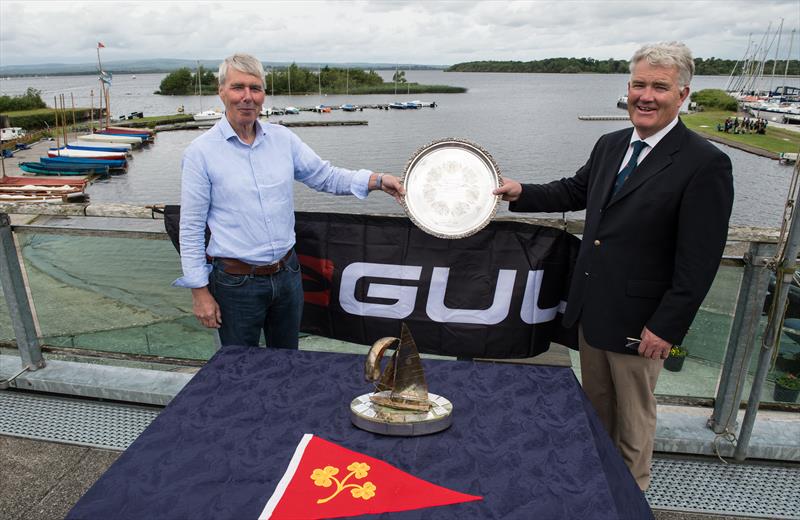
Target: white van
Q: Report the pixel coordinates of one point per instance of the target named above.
(13, 132)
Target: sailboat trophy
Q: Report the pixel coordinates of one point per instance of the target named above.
(401, 404)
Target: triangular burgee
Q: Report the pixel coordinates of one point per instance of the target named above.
(325, 480)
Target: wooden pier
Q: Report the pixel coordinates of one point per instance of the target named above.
(605, 118)
(193, 125)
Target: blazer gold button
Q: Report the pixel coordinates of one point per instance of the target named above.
(597, 242)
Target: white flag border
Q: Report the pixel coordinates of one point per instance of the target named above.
(276, 497)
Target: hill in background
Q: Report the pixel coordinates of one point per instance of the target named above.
(170, 65)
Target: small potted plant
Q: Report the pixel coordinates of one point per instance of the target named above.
(786, 362)
(677, 355)
(787, 388)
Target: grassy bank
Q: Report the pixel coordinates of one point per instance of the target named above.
(775, 140)
(40, 118)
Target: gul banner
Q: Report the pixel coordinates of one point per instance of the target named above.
(325, 480)
(497, 294)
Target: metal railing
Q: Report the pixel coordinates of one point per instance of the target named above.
(733, 379)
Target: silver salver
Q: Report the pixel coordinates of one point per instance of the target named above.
(449, 186)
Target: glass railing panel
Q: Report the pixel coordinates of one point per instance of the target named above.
(706, 341)
(112, 294)
(783, 381)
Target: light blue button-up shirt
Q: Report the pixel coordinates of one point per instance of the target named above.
(245, 194)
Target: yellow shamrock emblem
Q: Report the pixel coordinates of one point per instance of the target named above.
(326, 477)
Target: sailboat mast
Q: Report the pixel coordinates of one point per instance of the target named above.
(758, 82)
(788, 57)
(91, 114)
(730, 87)
(775, 61)
(754, 70)
(289, 78)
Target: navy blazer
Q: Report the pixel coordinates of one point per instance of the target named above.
(649, 253)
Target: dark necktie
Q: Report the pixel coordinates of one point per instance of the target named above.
(638, 146)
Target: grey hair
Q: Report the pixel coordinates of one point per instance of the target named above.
(243, 63)
(667, 54)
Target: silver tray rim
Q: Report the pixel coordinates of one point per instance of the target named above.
(454, 142)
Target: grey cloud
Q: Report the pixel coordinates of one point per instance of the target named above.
(437, 32)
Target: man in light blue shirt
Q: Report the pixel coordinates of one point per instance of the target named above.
(238, 179)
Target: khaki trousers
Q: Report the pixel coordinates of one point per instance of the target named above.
(620, 387)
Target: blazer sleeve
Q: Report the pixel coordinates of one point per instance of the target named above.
(702, 231)
(567, 194)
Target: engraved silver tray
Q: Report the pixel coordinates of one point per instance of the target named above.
(449, 186)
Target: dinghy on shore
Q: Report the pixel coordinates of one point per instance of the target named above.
(108, 138)
(105, 147)
(95, 154)
(62, 169)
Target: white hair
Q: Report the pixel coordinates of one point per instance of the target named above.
(243, 63)
(667, 54)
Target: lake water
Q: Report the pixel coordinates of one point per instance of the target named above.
(528, 122)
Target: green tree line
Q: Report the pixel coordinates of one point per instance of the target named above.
(297, 80)
(30, 100)
(704, 67)
(715, 99)
(333, 80)
(183, 83)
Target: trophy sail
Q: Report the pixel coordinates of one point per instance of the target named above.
(401, 404)
(404, 377)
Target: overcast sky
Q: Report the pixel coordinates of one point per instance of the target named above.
(426, 32)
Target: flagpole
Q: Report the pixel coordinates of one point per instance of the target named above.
(102, 85)
(105, 91)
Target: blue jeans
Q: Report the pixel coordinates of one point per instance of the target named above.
(251, 303)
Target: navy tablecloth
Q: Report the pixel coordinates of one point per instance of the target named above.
(523, 437)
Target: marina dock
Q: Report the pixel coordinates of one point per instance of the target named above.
(195, 125)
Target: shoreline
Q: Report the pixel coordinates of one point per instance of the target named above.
(740, 146)
(706, 127)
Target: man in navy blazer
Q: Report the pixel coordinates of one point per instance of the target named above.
(657, 198)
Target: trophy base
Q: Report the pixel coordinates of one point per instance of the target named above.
(383, 420)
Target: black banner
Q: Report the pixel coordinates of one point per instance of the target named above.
(497, 294)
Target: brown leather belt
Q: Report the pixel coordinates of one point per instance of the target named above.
(235, 266)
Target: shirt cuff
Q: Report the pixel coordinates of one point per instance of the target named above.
(194, 281)
(360, 184)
